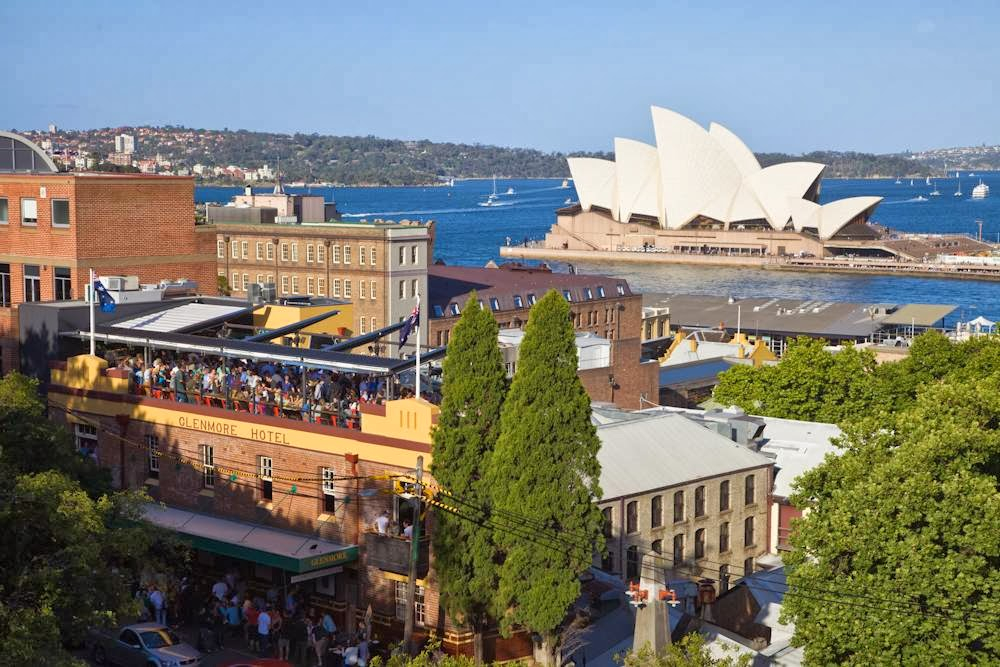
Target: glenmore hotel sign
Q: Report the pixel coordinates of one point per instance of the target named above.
(233, 429)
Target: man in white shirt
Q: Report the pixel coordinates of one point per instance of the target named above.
(408, 530)
(159, 604)
(219, 589)
(382, 523)
(264, 630)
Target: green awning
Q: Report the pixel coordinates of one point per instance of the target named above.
(289, 551)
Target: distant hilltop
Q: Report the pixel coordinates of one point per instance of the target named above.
(240, 156)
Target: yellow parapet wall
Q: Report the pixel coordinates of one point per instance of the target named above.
(274, 316)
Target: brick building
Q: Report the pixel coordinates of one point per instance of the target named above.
(380, 266)
(55, 227)
(600, 305)
(695, 499)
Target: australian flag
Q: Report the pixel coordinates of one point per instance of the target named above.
(412, 321)
(107, 301)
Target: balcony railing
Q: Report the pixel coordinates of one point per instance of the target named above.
(392, 553)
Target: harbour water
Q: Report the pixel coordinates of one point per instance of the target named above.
(470, 234)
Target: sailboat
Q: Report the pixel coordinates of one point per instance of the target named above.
(935, 192)
(510, 191)
(898, 182)
(958, 193)
(927, 181)
(565, 184)
(911, 181)
(491, 200)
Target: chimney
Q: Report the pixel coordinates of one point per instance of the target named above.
(706, 599)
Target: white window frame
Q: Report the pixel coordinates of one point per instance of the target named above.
(24, 217)
(310, 253)
(347, 254)
(374, 326)
(320, 286)
(235, 284)
(220, 249)
(329, 487)
(84, 432)
(419, 604)
(335, 254)
(295, 284)
(362, 256)
(284, 284)
(234, 249)
(320, 253)
(269, 251)
(152, 456)
(246, 282)
(260, 251)
(310, 285)
(284, 252)
(402, 255)
(265, 469)
(347, 289)
(295, 251)
(336, 287)
(245, 249)
(414, 255)
(362, 328)
(361, 289)
(374, 256)
(207, 466)
(372, 289)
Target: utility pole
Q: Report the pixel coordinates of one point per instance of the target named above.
(411, 582)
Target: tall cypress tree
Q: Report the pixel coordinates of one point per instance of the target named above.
(475, 384)
(544, 476)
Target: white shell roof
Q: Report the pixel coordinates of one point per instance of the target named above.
(692, 172)
(181, 317)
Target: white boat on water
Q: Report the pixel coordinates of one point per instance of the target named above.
(920, 198)
(928, 180)
(958, 193)
(565, 184)
(898, 182)
(567, 202)
(491, 199)
(510, 191)
(981, 191)
(911, 181)
(935, 192)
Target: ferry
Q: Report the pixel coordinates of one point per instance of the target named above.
(981, 191)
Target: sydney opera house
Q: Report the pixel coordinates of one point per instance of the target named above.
(703, 191)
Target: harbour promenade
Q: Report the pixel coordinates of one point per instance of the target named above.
(854, 265)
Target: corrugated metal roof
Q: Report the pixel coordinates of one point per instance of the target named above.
(919, 314)
(797, 447)
(175, 319)
(641, 455)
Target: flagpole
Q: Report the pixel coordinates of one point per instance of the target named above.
(93, 317)
(417, 327)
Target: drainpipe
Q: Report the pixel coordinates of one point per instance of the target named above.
(353, 460)
(123, 421)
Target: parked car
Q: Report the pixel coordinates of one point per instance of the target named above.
(259, 662)
(141, 645)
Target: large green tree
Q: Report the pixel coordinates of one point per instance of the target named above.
(72, 548)
(897, 561)
(544, 477)
(475, 383)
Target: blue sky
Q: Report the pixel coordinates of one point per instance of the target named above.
(785, 76)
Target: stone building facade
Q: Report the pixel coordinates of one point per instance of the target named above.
(380, 266)
(55, 227)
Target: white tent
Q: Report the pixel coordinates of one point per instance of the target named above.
(980, 324)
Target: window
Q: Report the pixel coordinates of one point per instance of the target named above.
(657, 546)
(567, 295)
(207, 466)
(152, 457)
(724, 537)
(4, 211)
(402, 289)
(607, 522)
(86, 440)
(438, 311)
(748, 567)
(347, 289)
(419, 607)
(235, 284)
(284, 252)
(32, 282)
(748, 536)
(361, 325)
(374, 254)
(620, 289)
(362, 255)
(329, 491)
(295, 284)
(362, 292)
(284, 284)
(402, 255)
(372, 290)
(678, 554)
(220, 249)
(29, 212)
(63, 283)
(748, 490)
(413, 255)
(321, 286)
(295, 252)
(245, 249)
(336, 287)
(270, 278)
(335, 254)
(518, 303)
(699, 543)
(494, 304)
(374, 325)
(266, 469)
(678, 506)
(5, 285)
(656, 512)
(699, 501)
(600, 292)
(531, 299)
(270, 251)
(414, 287)
(454, 309)
(310, 253)
(310, 284)
(234, 249)
(588, 294)
(60, 213)
(260, 278)
(724, 496)
(320, 253)
(347, 254)
(632, 517)
(632, 563)
(259, 248)
(246, 282)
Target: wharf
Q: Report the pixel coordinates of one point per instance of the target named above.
(847, 265)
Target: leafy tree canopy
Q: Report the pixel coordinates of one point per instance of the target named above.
(690, 651)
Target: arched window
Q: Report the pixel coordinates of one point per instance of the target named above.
(632, 563)
(748, 491)
(656, 512)
(632, 517)
(678, 549)
(699, 501)
(699, 543)
(678, 506)
(724, 496)
(748, 536)
(658, 546)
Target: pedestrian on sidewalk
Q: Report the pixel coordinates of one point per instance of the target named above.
(264, 631)
(159, 605)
